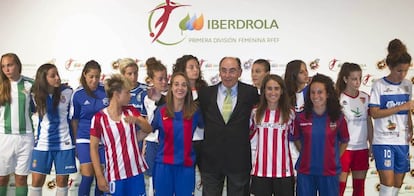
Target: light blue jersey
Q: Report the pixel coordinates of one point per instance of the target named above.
(54, 131)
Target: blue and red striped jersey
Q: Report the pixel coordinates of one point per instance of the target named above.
(175, 137)
(320, 139)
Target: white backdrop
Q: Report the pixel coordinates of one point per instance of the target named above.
(328, 32)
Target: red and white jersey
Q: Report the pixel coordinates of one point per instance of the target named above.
(356, 114)
(273, 157)
(122, 155)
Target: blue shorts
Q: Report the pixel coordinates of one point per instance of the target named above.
(83, 151)
(64, 161)
(173, 179)
(392, 157)
(134, 185)
(312, 184)
(151, 149)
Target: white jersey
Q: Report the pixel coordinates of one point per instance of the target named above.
(300, 99)
(15, 117)
(150, 108)
(54, 132)
(273, 157)
(393, 129)
(355, 110)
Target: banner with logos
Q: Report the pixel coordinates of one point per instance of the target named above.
(323, 33)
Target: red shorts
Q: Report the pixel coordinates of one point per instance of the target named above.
(355, 160)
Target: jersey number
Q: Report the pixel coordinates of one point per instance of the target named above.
(387, 153)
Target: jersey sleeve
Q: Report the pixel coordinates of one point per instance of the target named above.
(156, 119)
(144, 109)
(252, 123)
(291, 125)
(134, 111)
(96, 126)
(32, 103)
(343, 133)
(74, 111)
(374, 100)
(150, 108)
(367, 97)
(200, 121)
(296, 129)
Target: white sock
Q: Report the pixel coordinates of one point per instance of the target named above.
(150, 187)
(62, 191)
(385, 190)
(395, 191)
(35, 191)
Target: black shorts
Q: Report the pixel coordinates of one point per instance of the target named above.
(262, 186)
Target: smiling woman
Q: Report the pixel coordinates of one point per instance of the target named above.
(320, 128)
(176, 121)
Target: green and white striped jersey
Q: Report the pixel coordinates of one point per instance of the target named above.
(15, 117)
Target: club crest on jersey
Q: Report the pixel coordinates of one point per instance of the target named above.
(363, 99)
(105, 101)
(344, 102)
(62, 99)
(332, 125)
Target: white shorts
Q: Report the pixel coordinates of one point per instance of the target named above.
(16, 153)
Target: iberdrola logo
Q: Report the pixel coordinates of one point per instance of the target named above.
(164, 12)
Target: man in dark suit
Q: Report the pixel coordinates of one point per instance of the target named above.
(226, 146)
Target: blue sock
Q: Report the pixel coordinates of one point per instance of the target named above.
(97, 191)
(85, 185)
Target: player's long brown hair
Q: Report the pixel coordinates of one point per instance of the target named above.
(283, 104)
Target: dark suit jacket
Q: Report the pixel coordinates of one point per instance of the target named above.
(226, 147)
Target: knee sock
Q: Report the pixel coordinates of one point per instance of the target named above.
(62, 191)
(395, 191)
(97, 191)
(359, 187)
(85, 185)
(385, 190)
(3, 190)
(342, 186)
(35, 191)
(150, 187)
(21, 191)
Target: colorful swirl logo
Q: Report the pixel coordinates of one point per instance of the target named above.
(192, 23)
